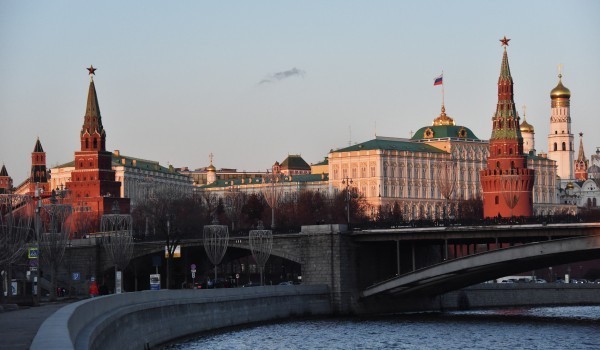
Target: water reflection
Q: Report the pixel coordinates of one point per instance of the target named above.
(537, 328)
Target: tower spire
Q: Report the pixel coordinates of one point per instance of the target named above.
(581, 154)
(506, 118)
(93, 136)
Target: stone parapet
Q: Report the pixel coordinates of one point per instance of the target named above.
(147, 319)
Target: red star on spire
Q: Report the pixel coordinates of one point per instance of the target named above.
(91, 70)
(504, 41)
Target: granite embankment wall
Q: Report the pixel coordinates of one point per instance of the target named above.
(501, 295)
(487, 296)
(146, 319)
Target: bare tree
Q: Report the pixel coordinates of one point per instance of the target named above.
(234, 201)
(84, 222)
(56, 227)
(446, 179)
(15, 226)
(118, 241)
(272, 193)
(261, 244)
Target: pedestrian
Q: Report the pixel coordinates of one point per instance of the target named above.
(94, 289)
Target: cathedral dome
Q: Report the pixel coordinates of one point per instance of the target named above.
(443, 119)
(570, 186)
(560, 91)
(526, 127)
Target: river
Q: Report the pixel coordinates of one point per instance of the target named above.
(519, 328)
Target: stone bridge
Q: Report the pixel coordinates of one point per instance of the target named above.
(350, 262)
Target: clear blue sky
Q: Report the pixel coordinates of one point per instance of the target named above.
(179, 80)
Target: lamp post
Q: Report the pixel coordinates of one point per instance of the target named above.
(347, 181)
(38, 207)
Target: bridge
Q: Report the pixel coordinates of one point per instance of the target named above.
(361, 264)
(462, 272)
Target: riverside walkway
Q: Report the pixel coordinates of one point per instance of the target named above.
(19, 325)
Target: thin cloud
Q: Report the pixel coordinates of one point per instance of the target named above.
(283, 75)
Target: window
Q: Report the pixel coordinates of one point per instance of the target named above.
(564, 146)
(555, 148)
(496, 200)
(95, 143)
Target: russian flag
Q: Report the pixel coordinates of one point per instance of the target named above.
(438, 80)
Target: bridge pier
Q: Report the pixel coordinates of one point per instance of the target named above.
(328, 257)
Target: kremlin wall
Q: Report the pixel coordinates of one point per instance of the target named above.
(426, 175)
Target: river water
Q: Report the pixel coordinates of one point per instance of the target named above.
(522, 328)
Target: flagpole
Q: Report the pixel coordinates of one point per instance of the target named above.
(442, 88)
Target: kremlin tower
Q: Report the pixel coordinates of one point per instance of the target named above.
(5, 181)
(507, 183)
(39, 175)
(560, 140)
(581, 163)
(93, 186)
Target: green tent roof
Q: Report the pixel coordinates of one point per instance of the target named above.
(384, 143)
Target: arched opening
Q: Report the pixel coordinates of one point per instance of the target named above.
(95, 143)
(87, 144)
(555, 147)
(564, 146)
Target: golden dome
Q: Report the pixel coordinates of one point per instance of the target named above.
(570, 186)
(526, 127)
(560, 91)
(443, 119)
(211, 167)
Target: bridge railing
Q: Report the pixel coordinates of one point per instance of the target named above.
(515, 220)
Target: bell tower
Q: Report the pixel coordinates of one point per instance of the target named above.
(560, 139)
(507, 183)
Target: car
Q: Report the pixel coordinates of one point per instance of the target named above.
(251, 284)
(286, 283)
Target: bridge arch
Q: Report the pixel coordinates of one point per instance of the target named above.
(462, 272)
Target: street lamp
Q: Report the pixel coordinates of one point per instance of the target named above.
(347, 181)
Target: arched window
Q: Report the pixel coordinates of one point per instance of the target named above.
(510, 151)
(95, 143)
(496, 200)
(555, 147)
(497, 164)
(87, 144)
(564, 146)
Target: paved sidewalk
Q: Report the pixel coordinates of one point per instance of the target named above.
(19, 327)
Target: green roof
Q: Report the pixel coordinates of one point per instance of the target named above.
(256, 181)
(323, 162)
(117, 160)
(392, 144)
(443, 132)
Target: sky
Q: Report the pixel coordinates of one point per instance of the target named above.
(254, 81)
